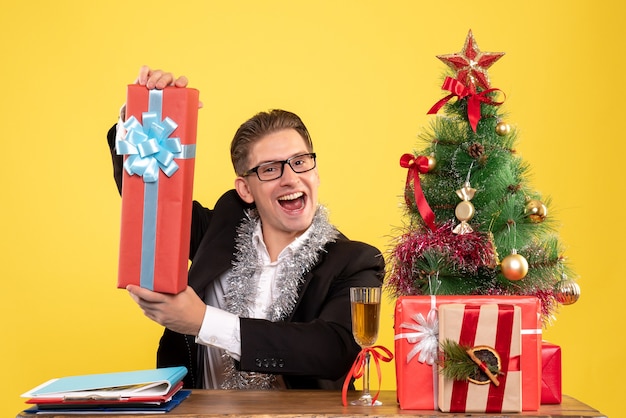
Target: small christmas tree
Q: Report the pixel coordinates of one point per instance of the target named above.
(475, 226)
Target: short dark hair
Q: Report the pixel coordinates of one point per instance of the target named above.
(258, 126)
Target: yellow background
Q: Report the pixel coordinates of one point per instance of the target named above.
(362, 74)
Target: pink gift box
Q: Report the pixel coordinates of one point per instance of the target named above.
(416, 342)
(498, 327)
(550, 373)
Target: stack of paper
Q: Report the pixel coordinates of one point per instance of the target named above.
(153, 391)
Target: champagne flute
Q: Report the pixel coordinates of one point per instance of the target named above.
(365, 308)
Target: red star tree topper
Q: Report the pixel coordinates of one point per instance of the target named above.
(471, 64)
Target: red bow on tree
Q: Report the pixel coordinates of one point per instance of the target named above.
(474, 99)
(416, 166)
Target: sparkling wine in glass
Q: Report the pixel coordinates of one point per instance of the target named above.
(365, 308)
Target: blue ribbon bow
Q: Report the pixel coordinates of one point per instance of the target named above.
(149, 147)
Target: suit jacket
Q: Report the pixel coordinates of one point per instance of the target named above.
(314, 347)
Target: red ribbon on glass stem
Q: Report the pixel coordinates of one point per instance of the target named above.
(474, 99)
(416, 166)
(358, 368)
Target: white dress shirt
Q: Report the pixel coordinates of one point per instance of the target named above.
(220, 330)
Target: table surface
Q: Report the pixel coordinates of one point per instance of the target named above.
(317, 403)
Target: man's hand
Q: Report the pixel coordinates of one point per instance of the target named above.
(182, 313)
(159, 79)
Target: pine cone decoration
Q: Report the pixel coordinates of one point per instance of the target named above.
(476, 150)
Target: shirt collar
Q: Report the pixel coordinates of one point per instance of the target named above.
(259, 244)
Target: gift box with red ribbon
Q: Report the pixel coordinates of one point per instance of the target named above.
(550, 373)
(489, 336)
(159, 150)
(416, 343)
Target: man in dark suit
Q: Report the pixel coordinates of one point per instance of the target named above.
(268, 302)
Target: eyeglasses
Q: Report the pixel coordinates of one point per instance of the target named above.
(274, 169)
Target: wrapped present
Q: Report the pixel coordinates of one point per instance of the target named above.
(489, 336)
(550, 373)
(416, 341)
(159, 150)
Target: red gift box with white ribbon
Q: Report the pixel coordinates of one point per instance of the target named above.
(416, 328)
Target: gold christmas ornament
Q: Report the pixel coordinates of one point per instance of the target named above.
(514, 266)
(464, 210)
(567, 292)
(432, 162)
(503, 128)
(536, 211)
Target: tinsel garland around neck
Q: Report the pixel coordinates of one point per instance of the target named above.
(243, 282)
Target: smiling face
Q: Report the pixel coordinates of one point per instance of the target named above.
(286, 205)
